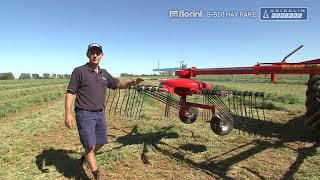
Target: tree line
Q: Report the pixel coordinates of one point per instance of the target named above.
(9, 75)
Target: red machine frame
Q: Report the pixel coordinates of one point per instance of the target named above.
(184, 86)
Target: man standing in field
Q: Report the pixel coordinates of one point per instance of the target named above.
(88, 84)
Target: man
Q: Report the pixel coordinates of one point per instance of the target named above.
(88, 84)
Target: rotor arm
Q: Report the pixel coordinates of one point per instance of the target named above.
(305, 67)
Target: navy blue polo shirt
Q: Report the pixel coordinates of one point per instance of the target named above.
(90, 87)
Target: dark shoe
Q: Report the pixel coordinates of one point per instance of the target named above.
(83, 168)
(82, 160)
(97, 175)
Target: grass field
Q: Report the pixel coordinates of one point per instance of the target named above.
(35, 144)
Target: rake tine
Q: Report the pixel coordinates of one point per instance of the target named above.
(125, 109)
(238, 101)
(233, 105)
(170, 100)
(243, 125)
(221, 106)
(108, 92)
(115, 109)
(264, 117)
(142, 98)
(174, 103)
(205, 111)
(260, 128)
(245, 106)
(141, 107)
(130, 104)
(224, 106)
(205, 115)
(135, 96)
(229, 113)
(241, 104)
(202, 114)
(237, 105)
(114, 95)
(229, 101)
(250, 99)
(163, 98)
(136, 108)
(255, 104)
(208, 115)
(135, 111)
(249, 112)
(255, 130)
(139, 101)
(166, 107)
(123, 99)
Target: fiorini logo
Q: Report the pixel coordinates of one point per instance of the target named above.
(185, 14)
(284, 13)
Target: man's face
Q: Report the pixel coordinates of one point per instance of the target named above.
(95, 55)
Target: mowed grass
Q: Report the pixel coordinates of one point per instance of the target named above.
(36, 145)
(17, 95)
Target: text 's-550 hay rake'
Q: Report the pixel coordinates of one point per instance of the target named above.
(223, 109)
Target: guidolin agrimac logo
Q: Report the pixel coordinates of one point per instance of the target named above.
(284, 13)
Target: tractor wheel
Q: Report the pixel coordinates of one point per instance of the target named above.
(221, 125)
(190, 116)
(312, 120)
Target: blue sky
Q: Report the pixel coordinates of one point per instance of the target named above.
(39, 36)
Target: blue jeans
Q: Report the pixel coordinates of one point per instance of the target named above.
(92, 127)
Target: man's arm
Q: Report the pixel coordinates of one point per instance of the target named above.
(127, 84)
(69, 119)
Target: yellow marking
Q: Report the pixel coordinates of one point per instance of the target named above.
(301, 67)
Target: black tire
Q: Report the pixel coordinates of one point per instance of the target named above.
(312, 103)
(190, 116)
(312, 120)
(221, 125)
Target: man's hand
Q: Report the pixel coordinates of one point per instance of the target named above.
(127, 84)
(69, 121)
(138, 81)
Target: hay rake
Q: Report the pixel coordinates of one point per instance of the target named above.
(223, 109)
(218, 107)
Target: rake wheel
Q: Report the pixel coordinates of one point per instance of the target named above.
(221, 125)
(190, 116)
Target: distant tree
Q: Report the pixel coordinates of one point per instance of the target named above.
(126, 75)
(53, 76)
(6, 76)
(35, 76)
(60, 76)
(67, 76)
(24, 76)
(46, 76)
